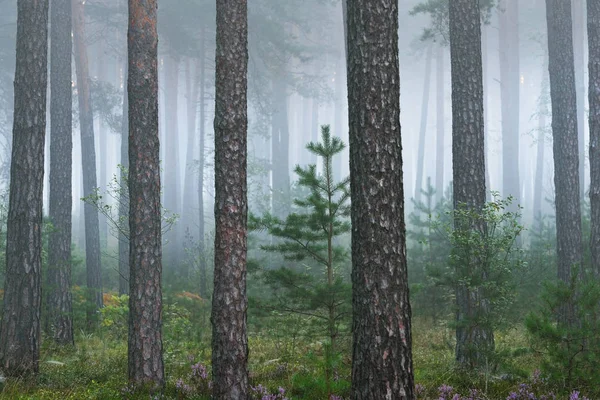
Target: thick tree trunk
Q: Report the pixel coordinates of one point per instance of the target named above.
(578, 10)
(88, 155)
(593, 29)
(509, 91)
(440, 122)
(382, 355)
(59, 298)
(145, 300)
(423, 125)
(230, 341)
(473, 342)
(486, 135)
(202, 122)
(124, 195)
(20, 328)
(566, 150)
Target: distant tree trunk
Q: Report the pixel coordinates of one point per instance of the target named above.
(566, 150)
(172, 177)
(229, 340)
(423, 126)
(593, 29)
(382, 356)
(59, 298)
(20, 328)
(578, 10)
(337, 114)
(145, 300)
(280, 137)
(103, 147)
(473, 342)
(539, 167)
(88, 153)
(124, 195)
(314, 130)
(440, 122)
(202, 122)
(189, 185)
(509, 91)
(486, 135)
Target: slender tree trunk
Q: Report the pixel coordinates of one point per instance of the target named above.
(88, 155)
(314, 130)
(381, 356)
(539, 168)
(565, 143)
(280, 137)
(337, 114)
(509, 91)
(440, 122)
(593, 29)
(230, 341)
(202, 122)
(145, 300)
(423, 126)
(59, 299)
(473, 341)
(124, 195)
(20, 327)
(103, 146)
(578, 10)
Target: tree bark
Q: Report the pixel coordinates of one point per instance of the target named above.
(565, 147)
(593, 29)
(20, 327)
(230, 341)
(88, 155)
(509, 92)
(59, 299)
(473, 341)
(381, 356)
(440, 122)
(145, 301)
(423, 126)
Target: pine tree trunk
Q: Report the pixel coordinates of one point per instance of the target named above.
(593, 29)
(473, 342)
(59, 298)
(103, 147)
(20, 327)
(539, 168)
(230, 341)
(189, 188)
(440, 122)
(171, 174)
(382, 355)
(565, 147)
(202, 122)
(124, 195)
(280, 137)
(145, 300)
(486, 135)
(88, 152)
(423, 126)
(509, 91)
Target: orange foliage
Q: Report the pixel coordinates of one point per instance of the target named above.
(189, 295)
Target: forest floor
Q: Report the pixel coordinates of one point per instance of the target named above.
(97, 368)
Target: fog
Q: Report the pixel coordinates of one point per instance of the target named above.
(297, 82)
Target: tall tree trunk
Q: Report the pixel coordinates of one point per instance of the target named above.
(20, 327)
(202, 122)
(509, 91)
(381, 356)
(486, 135)
(565, 147)
(578, 10)
(230, 341)
(280, 154)
(440, 122)
(103, 145)
(124, 194)
(145, 300)
(593, 29)
(423, 126)
(88, 156)
(171, 175)
(473, 341)
(337, 113)
(539, 168)
(59, 298)
(314, 130)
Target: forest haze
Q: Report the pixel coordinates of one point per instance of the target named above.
(300, 199)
